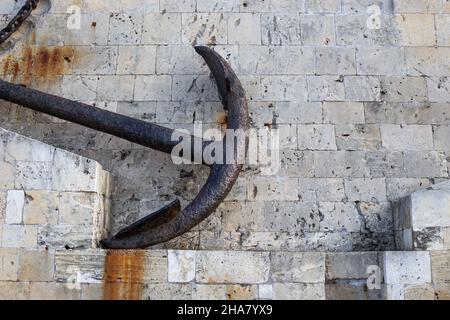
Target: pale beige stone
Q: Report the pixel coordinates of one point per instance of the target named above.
(209, 292)
(298, 267)
(440, 266)
(422, 292)
(298, 291)
(416, 29)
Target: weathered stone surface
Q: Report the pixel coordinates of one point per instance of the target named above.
(242, 292)
(9, 264)
(298, 291)
(80, 267)
(350, 265)
(225, 267)
(407, 267)
(181, 266)
(417, 138)
(440, 266)
(52, 291)
(422, 292)
(36, 266)
(298, 267)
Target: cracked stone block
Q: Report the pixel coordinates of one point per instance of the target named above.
(80, 88)
(226, 267)
(93, 60)
(365, 190)
(407, 267)
(428, 61)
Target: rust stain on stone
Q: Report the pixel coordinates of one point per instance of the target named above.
(124, 271)
(37, 62)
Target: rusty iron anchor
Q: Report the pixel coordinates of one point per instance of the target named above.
(170, 221)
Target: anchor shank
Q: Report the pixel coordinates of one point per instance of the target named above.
(131, 129)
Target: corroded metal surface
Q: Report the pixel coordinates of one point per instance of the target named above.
(17, 21)
(170, 221)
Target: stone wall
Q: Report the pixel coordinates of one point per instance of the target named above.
(362, 112)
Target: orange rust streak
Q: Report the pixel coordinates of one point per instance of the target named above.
(124, 270)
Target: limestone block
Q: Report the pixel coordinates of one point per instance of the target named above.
(403, 89)
(317, 30)
(357, 137)
(298, 267)
(192, 88)
(381, 61)
(430, 208)
(177, 5)
(360, 6)
(92, 291)
(413, 137)
(14, 290)
(2, 207)
(161, 28)
(316, 137)
(136, 60)
(20, 148)
(125, 28)
(95, 60)
(9, 264)
(36, 265)
(272, 188)
(167, 291)
(440, 266)
(417, 6)
(419, 164)
(80, 267)
(323, 6)
(335, 61)
(419, 292)
(232, 267)
(340, 164)
(407, 267)
(272, 6)
(243, 28)
(17, 236)
(65, 236)
(34, 175)
(284, 88)
(438, 89)
(343, 112)
(352, 30)
(8, 175)
(326, 88)
(321, 189)
(115, 87)
(241, 292)
(179, 60)
(92, 31)
(416, 29)
(362, 88)
(181, 266)
(79, 88)
(281, 29)
(217, 6)
(208, 292)
(291, 60)
(204, 28)
(365, 190)
(52, 291)
(14, 206)
(429, 61)
(339, 216)
(351, 290)
(148, 88)
(265, 292)
(296, 163)
(442, 27)
(350, 265)
(298, 291)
